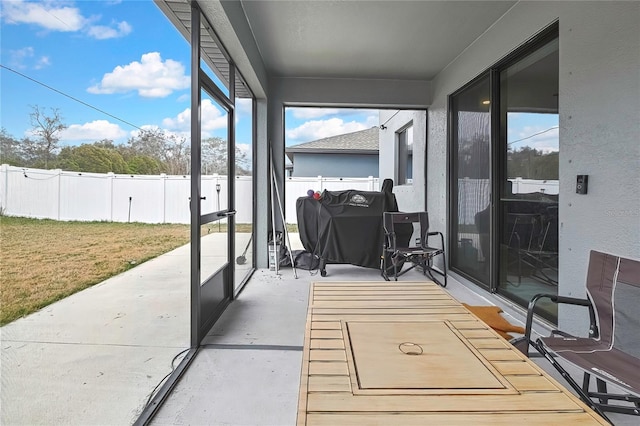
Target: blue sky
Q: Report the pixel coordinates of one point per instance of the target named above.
(103, 53)
(124, 58)
(127, 59)
(535, 130)
(308, 124)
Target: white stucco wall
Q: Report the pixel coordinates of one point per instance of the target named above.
(410, 197)
(599, 127)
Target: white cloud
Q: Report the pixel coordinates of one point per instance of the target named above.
(151, 78)
(26, 58)
(43, 62)
(246, 149)
(47, 14)
(92, 131)
(244, 106)
(318, 129)
(211, 119)
(102, 32)
(373, 119)
(182, 121)
(56, 16)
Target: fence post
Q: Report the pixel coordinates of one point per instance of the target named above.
(163, 181)
(110, 177)
(59, 171)
(4, 197)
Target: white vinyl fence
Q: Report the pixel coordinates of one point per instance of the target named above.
(296, 187)
(63, 195)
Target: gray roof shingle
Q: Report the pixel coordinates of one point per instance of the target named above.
(365, 141)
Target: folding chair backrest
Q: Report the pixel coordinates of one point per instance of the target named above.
(626, 299)
(424, 229)
(550, 228)
(613, 285)
(404, 224)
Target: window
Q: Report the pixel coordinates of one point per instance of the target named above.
(405, 156)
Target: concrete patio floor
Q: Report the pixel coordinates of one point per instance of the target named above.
(75, 362)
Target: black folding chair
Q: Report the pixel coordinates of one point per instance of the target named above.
(535, 239)
(401, 247)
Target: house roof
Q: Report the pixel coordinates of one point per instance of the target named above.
(360, 142)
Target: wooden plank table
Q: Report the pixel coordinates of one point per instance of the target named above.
(407, 353)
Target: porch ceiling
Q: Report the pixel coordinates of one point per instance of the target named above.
(411, 40)
(360, 39)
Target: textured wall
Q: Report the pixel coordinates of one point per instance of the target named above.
(410, 197)
(599, 126)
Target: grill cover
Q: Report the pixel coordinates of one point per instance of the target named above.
(345, 226)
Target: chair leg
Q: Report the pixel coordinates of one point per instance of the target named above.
(430, 270)
(395, 269)
(394, 262)
(384, 266)
(586, 381)
(584, 396)
(444, 267)
(601, 385)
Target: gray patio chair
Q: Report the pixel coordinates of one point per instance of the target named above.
(398, 247)
(611, 352)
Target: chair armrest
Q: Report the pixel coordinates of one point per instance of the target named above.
(433, 234)
(593, 326)
(389, 241)
(523, 343)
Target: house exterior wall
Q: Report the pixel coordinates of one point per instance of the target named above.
(335, 165)
(599, 104)
(410, 197)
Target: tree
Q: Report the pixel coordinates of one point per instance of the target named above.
(474, 157)
(47, 128)
(144, 165)
(171, 150)
(530, 163)
(177, 155)
(10, 152)
(92, 158)
(215, 158)
(32, 153)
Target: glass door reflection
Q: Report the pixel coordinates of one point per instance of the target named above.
(530, 182)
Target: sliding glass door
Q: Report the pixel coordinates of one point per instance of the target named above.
(470, 180)
(504, 178)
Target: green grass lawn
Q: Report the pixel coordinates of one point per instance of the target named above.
(42, 261)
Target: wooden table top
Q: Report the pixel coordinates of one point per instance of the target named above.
(407, 353)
